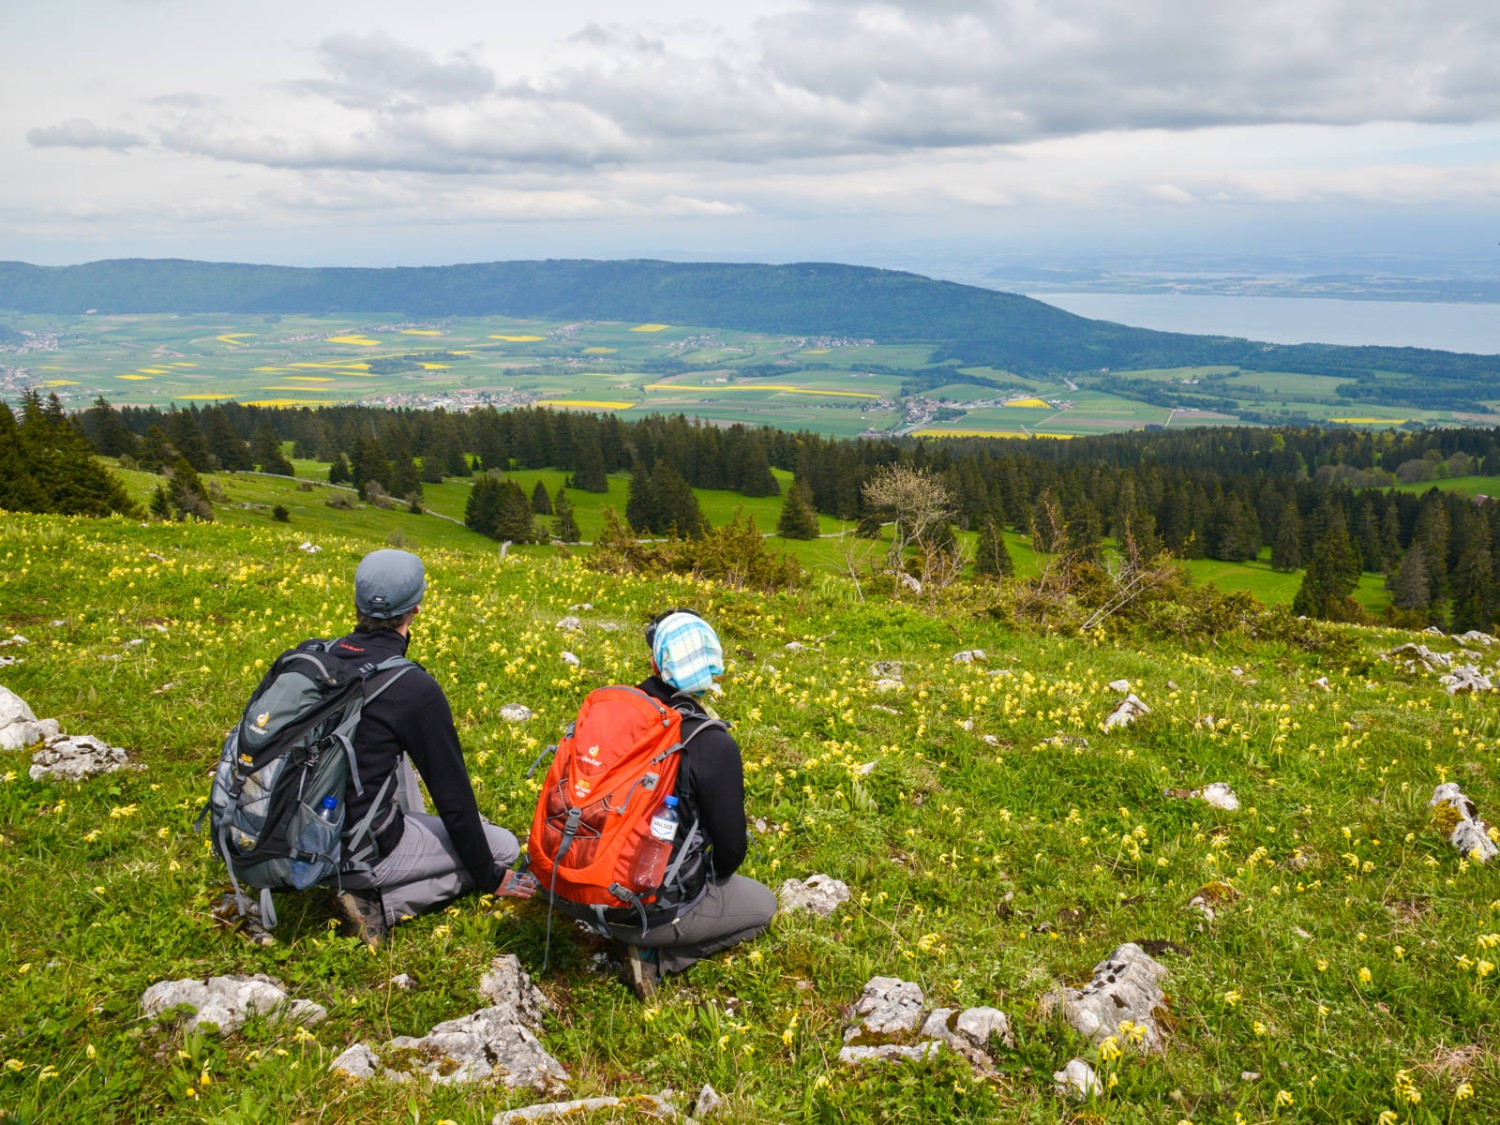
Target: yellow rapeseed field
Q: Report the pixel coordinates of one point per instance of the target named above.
(650, 327)
(420, 332)
(203, 398)
(135, 378)
(356, 341)
(519, 339)
(930, 432)
(1369, 421)
(231, 338)
(599, 351)
(1030, 403)
(60, 383)
(435, 366)
(154, 371)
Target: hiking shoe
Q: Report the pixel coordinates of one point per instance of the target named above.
(362, 914)
(642, 971)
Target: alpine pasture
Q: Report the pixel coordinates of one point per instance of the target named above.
(998, 842)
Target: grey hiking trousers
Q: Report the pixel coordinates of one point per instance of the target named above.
(423, 872)
(729, 912)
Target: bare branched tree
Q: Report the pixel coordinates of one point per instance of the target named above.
(918, 502)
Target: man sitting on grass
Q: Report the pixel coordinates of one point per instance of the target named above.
(424, 861)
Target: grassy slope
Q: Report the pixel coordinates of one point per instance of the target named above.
(987, 873)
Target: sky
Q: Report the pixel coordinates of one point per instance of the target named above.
(911, 133)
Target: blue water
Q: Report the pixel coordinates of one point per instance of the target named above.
(1298, 320)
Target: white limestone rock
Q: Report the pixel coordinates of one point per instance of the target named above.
(494, 1044)
(570, 624)
(888, 1006)
(507, 985)
(1121, 686)
(885, 686)
(569, 659)
(653, 1105)
(1414, 656)
(1128, 711)
(357, 1061)
(1126, 986)
(709, 1102)
(889, 1052)
(1475, 637)
(886, 670)
(75, 757)
(968, 1029)
(1321, 683)
(1077, 1081)
(517, 713)
(794, 646)
(969, 656)
(227, 1002)
(18, 723)
(1466, 678)
(1469, 834)
(910, 583)
(821, 894)
(1219, 795)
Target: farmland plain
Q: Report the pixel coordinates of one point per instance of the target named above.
(837, 386)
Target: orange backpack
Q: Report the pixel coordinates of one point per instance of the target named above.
(614, 768)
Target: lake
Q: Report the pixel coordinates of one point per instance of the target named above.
(1297, 320)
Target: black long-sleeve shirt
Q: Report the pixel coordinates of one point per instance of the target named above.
(412, 716)
(710, 783)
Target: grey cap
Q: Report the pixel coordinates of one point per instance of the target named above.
(388, 583)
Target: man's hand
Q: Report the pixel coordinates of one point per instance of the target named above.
(517, 884)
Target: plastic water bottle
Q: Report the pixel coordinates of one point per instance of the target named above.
(656, 849)
(319, 836)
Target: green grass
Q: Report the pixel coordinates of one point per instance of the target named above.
(990, 872)
(1464, 486)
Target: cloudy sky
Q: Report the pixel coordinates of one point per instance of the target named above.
(376, 133)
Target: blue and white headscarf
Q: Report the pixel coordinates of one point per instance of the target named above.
(687, 653)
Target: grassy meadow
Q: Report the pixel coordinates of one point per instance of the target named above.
(998, 844)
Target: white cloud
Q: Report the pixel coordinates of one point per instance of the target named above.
(79, 132)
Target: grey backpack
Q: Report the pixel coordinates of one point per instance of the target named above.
(293, 747)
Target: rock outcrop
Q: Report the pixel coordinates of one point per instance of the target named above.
(1126, 987)
(226, 1003)
(1458, 819)
(820, 894)
(496, 1044)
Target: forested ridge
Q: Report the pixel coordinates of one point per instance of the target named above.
(962, 322)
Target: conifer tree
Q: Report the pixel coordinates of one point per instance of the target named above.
(1411, 586)
(797, 519)
(368, 465)
(541, 503)
(110, 435)
(228, 449)
(564, 526)
(186, 492)
(1332, 575)
(267, 454)
(1473, 577)
(513, 518)
(339, 471)
(754, 476)
(187, 439)
(482, 511)
(156, 452)
(161, 506)
(1286, 551)
(588, 473)
(991, 555)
